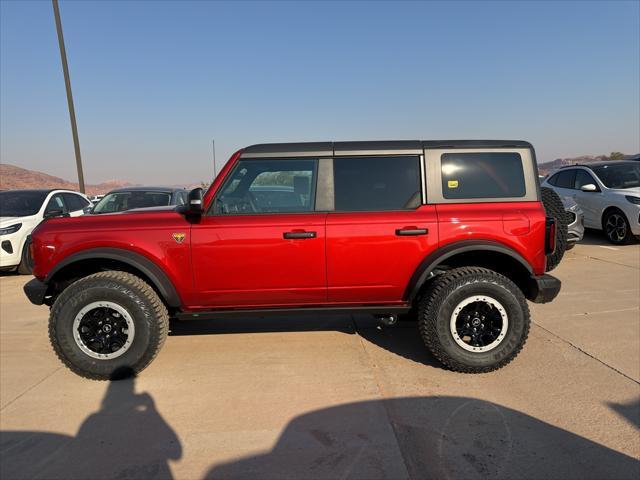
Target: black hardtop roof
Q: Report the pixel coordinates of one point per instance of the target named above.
(337, 148)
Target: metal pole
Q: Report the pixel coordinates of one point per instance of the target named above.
(67, 83)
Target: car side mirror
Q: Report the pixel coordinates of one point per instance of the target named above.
(58, 212)
(194, 202)
(589, 187)
(87, 210)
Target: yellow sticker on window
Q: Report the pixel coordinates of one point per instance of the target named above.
(452, 184)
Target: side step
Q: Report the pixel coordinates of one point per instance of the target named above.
(378, 311)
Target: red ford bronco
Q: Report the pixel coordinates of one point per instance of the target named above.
(456, 233)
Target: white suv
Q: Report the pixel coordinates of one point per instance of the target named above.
(607, 192)
(21, 211)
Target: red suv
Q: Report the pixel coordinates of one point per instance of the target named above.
(454, 233)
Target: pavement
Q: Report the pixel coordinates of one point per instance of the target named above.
(339, 397)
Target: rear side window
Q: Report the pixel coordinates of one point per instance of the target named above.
(564, 179)
(376, 183)
(482, 175)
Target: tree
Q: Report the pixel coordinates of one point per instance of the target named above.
(616, 156)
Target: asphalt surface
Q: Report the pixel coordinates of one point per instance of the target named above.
(339, 397)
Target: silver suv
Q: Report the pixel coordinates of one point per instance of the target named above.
(607, 192)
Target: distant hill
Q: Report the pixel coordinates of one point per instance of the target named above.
(547, 167)
(12, 178)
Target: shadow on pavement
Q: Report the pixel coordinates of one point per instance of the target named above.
(127, 438)
(597, 237)
(629, 411)
(428, 437)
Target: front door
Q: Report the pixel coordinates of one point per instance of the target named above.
(262, 243)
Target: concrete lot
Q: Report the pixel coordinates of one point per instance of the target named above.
(339, 397)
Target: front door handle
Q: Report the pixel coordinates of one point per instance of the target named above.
(408, 231)
(298, 235)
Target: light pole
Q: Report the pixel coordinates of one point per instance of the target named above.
(67, 83)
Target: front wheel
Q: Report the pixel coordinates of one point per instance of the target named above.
(617, 228)
(108, 325)
(26, 261)
(474, 320)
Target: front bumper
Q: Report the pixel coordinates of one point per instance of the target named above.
(35, 290)
(544, 288)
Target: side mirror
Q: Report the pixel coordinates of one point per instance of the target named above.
(194, 202)
(589, 187)
(86, 210)
(55, 213)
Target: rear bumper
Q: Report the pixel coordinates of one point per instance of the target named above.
(35, 290)
(544, 288)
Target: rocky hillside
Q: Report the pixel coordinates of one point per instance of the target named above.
(12, 177)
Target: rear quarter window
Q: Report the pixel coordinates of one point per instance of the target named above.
(475, 175)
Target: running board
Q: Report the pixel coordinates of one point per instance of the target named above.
(274, 312)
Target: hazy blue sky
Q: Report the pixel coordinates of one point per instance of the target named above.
(154, 82)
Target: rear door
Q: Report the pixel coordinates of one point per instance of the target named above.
(262, 243)
(380, 229)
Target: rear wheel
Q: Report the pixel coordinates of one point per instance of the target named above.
(108, 325)
(474, 320)
(616, 227)
(554, 208)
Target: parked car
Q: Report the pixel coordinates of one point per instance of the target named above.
(607, 192)
(457, 231)
(128, 198)
(21, 211)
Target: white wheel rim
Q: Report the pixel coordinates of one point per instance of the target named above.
(120, 312)
(492, 302)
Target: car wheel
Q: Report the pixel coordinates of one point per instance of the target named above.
(474, 320)
(616, 227)
(554, 208)
(106, 324)
(26, 262)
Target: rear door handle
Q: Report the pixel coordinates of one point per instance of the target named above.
(298, 235)
(408, 231)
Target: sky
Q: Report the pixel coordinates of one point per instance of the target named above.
(154, 82)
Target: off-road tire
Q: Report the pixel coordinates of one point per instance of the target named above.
(147, 311)
(554, 208)
(437, 305)
(628, 237)
(26, 262)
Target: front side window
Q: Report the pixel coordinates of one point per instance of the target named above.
(74, 202)
(377, 183)
(582, 179)
(268, 186)
(56, 203)
(482, 175)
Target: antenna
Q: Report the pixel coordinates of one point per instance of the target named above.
(215, 173)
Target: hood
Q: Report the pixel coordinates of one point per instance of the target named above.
(626, 191)
(8, 221)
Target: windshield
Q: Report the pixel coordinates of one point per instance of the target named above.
(121, 201)
(622, 175)
(20, 204)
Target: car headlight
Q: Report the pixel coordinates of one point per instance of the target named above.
(632, 199)
(10, 229)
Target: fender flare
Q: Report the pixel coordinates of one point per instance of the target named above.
(439, 256)
(153, 272)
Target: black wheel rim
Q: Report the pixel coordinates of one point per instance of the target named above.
(616, 227)
(103, 330)
(479, 323)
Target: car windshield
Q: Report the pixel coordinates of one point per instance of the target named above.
(121, 201)
(622, 175)
(20, 204)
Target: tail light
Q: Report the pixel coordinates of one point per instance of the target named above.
(550, 235)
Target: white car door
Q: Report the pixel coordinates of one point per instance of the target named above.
(590, 202)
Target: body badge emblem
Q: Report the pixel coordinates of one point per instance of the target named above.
(178, 237)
